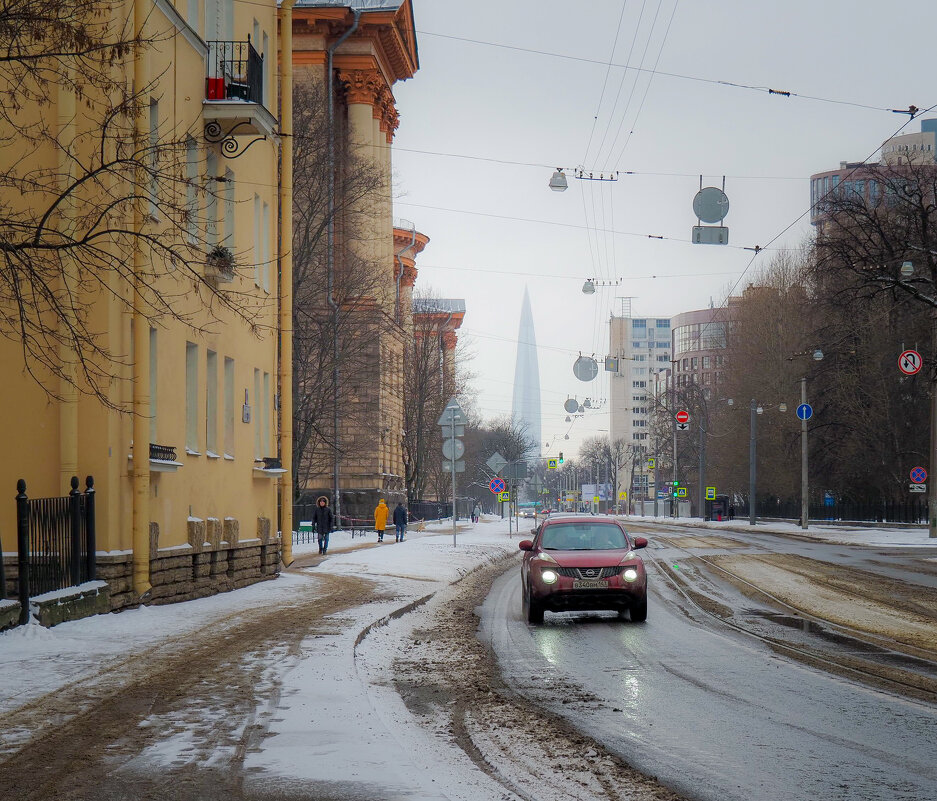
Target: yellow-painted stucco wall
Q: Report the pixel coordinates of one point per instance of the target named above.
(203, 486)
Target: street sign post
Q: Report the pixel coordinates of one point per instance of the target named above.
(681, 492)
(496, 485)
(917, 487)
(710, 493)
(683, 426)
(910, 362)
(452, 421)
(504, 497)
(918, 475)
(682, 416)
(551, 464)
(805, 411)
(496, 462)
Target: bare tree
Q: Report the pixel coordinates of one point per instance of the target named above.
(70, 188)
(356, 324)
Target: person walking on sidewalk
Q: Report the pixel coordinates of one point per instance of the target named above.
(400, 521)
(380, 519)
(324, 521)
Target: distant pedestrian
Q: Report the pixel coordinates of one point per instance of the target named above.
(476, 513)
(400, 522)
(731, 512)
(380, 519)
(324, 522)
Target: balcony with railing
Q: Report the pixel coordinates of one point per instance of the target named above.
(234, 93)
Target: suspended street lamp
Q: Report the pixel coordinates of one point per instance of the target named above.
(558, 181)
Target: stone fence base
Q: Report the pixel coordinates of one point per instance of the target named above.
(205, 566)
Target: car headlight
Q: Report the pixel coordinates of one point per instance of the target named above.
(549, 577)
(630, 574)
(545, 557)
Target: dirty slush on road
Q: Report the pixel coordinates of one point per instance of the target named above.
(86, 741)
(450, 682)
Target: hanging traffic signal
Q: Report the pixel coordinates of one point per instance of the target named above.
(561, 457)
(676, 483)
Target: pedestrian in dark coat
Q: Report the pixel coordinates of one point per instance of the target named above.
(400, 521)
(324, 522)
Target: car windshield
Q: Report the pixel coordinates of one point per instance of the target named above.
(583, 537)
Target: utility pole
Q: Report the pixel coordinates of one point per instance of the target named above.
(804, 488)
(701, 494)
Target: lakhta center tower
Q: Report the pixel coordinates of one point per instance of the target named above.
(526, 407)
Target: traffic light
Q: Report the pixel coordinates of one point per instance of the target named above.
(561, 457)
(676, 483)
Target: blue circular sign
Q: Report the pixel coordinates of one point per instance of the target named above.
(805, 411)
(496, 485)
(919, 475)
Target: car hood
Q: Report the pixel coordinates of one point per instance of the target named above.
(589, 558)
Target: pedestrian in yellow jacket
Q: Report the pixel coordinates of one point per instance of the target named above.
(380, 519)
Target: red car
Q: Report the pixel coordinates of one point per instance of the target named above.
(577, 562)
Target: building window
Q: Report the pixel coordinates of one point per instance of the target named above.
(636, 324)
(639, 423)
(258, 414)
(719, 361)
(211, 403)
(229, 407)
(191, 190)
(154, 157)
(663, 323)
(267, 415)
(211, 200)
(266, 249)
(664, 358)
(694, 362)
(154, 384)
(640, 357)
(639, 436)
(258, 243)
(639, 384)
(706, 362)
(229, 240)
(191, 398)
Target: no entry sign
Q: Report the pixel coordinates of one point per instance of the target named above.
(683, 417)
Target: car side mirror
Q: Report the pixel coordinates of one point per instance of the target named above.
(526, 545)
(640, 542)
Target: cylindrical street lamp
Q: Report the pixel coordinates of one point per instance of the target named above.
(755, 411)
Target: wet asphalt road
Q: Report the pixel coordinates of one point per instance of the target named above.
(711, 712)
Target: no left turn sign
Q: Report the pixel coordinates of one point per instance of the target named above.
(910, 362)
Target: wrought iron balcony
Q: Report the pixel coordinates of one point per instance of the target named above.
(235, 72)
(165, 453)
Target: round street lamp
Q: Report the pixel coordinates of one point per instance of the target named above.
(818, 355)
(558, 181)
(588, 288)
(907, 269)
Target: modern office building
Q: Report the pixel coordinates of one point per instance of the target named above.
(699, 344)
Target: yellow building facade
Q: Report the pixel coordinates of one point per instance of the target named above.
(184, 442)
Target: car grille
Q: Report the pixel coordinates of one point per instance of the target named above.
(589, 572)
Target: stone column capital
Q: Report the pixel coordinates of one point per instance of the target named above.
(363, 86)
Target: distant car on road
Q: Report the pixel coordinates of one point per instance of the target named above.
(577, 562)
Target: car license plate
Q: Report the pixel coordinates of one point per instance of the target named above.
(589, 584)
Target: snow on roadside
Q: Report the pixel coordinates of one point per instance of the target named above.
(844, 534)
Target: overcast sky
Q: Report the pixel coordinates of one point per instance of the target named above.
(485, 121)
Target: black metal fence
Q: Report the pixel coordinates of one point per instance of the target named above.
(235, 72)
(55, 541)
(910, 512)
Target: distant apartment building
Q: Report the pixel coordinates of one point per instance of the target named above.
(641, 346)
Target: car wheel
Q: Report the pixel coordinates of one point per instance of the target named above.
(639, 611)
(534, 610)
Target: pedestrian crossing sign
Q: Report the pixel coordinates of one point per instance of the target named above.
(651, 462)
(681, 492)
(504, 496)
(710, 493)
(551, 464)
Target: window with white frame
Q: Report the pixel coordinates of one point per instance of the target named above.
(211, 403)
(191, 398)
(229, 410)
